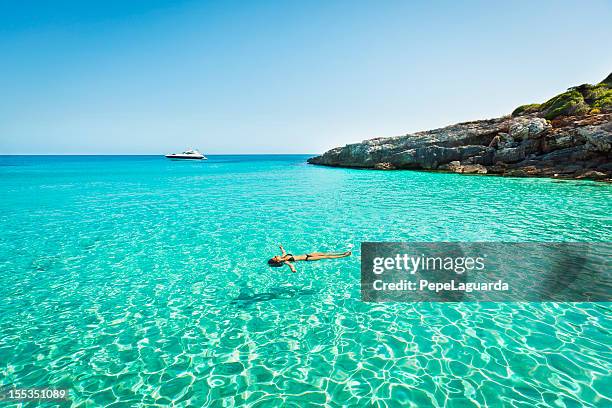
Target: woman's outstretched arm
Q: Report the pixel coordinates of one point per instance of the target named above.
(282, 249)
(290, 265)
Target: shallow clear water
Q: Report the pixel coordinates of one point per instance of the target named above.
(141, 280)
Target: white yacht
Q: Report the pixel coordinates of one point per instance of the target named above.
(191, 154)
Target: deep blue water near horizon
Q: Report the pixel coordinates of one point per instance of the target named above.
(139, 280)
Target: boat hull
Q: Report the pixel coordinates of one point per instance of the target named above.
(184, 157)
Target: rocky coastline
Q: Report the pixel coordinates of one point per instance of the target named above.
(569, 136)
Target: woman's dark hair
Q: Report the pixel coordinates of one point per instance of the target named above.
(274, 264)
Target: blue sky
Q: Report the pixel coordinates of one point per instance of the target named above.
(149, 77)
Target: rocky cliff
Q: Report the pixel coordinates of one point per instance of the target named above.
(568, 136)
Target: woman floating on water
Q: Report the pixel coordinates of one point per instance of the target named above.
(288, 259)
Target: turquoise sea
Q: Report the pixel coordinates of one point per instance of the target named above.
(135, 280)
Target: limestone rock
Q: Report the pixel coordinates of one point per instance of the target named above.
(528, 127)
(526, 145)
(474, 168)
(510, 155)
(598, 139)
(458, 167)
(592, 175)
(384, 166)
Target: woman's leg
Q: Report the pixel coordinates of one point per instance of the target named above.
(328, 253)
(315, 256)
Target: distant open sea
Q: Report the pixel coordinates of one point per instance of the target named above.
(138, 280)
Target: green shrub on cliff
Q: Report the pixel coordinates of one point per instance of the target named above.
(524, 109)
(568, 103)
(604, 103)
(578, 100)
(600, 96)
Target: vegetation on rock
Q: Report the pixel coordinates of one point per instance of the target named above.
(525, 109)
(578, 100)
(568, 103)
